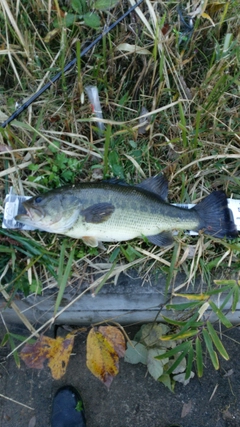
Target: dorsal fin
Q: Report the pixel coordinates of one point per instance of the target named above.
(156, 184)
(118, 181)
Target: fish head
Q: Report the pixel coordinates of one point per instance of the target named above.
(52, 212)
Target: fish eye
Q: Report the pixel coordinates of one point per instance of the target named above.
(38, 199)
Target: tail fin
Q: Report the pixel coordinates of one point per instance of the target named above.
(215, 216)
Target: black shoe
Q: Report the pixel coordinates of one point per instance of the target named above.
(68, 408)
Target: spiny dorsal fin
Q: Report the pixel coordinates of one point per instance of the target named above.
(156, 184)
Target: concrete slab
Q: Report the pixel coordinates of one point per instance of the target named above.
(131, 300)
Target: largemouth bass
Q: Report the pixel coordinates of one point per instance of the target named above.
(115, 211)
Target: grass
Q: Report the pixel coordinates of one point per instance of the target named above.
(189, 84)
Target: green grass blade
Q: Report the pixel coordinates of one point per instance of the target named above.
(220, 315)
(180, 358)
(175, 350)
(173, 321)
(61, 260)
(172, 270)
(106, 149)
(183, 125)
(189, 362)
(209, 345)
(186, 334)
(183, 306)
(185, 329)
(62, 281)
(197, 126)
(14, 352)
(4, 340)
(105, 278)
(227, 298)
(181, 323)
(199, 357)
(235, 298)
(217, 342)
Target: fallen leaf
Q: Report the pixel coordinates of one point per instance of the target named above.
(227, 415)
(186, 409)
(155, 366)
(228, 373)
(166, 380)
(181, 367)
(136, 353)
(32, 422)
(57, 351)
(181, 378)
(151, 333)
(104, 347)
(206, 16)
(165, 28)
(115, 337)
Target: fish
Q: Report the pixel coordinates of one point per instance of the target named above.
(114, 211)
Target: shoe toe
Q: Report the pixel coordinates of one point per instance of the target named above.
(68, 408)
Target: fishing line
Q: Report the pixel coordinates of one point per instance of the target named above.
(67, 67)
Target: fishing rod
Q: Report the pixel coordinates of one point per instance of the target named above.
(67, 67)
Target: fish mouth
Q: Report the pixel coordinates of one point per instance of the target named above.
(30, 216)
(33, 213)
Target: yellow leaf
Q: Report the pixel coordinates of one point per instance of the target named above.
(115, 337)
(206, 16)
(213, 8)
(59, 355)
(104, 347)
(187, 334)
(57, 351)
(51, 35)
(193, 297)
(166, 337)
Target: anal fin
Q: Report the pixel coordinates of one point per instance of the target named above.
(162, 239)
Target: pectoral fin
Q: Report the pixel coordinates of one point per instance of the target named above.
(93, 242)
(98, 213)
(162, 239)
(90, 241)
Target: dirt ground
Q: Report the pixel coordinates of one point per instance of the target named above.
(134, 398)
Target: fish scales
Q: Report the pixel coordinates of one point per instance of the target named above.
(136, 213)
